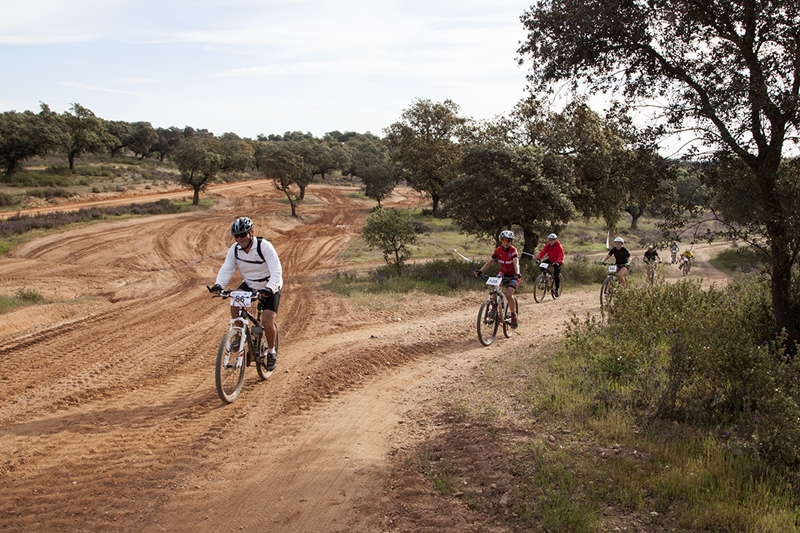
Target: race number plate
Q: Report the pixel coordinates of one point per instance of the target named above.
(544, 265)
(240, 299)
(495, 282)
(612, 269)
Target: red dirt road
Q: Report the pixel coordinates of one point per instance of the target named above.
(109, 420)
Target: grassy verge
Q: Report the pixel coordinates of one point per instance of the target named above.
(735, 260)
(21, 299)
(574, 467)
(620, 429)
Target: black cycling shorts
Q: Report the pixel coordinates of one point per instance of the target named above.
(270, 304)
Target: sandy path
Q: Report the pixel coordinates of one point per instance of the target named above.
(109, 420)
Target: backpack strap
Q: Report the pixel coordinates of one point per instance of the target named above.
(258, 249)
(260, 254)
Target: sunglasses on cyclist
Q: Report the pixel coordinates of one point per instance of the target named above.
(240, 235)
(505, 240)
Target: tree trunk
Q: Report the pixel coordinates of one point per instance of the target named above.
(435, 199)
(196, 196)
(635, 212)
(71, 159)
(784, 304)
(302, 193)
(531, 242)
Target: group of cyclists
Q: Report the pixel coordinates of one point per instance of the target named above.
(508, 258)
(260, 268)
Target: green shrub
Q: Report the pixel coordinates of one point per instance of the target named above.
(7, 200)
(709, 357)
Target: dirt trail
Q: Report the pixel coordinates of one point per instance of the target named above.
(109, 420)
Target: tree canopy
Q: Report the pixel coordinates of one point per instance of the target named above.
(27, 134)
(727, 70)
(424, 143)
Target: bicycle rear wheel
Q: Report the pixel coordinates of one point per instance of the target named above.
(540, 288)
(487, 322)
(261, 362)
(229, 368)
(556, 293)
(508, 331)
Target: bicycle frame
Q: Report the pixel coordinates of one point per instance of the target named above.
(607, 288)
(240, 346)
(493, 311)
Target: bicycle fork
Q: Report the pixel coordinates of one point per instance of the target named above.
(237, 360)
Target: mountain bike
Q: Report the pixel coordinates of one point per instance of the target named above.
(652, 266)
(494, 311)
(242, 345)
(686, 265)
(609, 286)
(545, 282)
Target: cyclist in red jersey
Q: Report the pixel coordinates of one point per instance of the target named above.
(507, 256)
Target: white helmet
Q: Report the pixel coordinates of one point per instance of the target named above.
(620, 240)
(552, 236)
(507, 234)
(241, 225)
(688, 250)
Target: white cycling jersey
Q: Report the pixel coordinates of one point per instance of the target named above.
(255, 270)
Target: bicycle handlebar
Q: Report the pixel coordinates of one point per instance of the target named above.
(225, 293)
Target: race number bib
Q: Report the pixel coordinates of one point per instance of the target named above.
(495, 282)
(612, 269)
(240, 299)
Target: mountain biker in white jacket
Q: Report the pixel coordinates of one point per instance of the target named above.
(258, 263)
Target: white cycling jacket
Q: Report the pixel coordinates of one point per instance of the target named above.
(257, 272)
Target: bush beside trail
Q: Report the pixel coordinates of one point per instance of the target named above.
(713, 358)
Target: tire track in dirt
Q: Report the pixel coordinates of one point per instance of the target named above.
(133, 381)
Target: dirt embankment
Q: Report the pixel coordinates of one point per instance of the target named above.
(109, 420)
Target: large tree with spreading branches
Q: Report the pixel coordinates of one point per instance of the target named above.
(730, 71)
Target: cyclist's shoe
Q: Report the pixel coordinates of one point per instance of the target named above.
(272, 360)
(513, 320)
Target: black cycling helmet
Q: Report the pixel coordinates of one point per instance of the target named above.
(241, 225)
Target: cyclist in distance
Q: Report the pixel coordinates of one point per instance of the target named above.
(258, 263)
(622, 258)
(651, 255)
(507, 256)
(555, 256)
(673, 248)
(688, 255)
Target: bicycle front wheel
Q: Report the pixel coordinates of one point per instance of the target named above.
(487, 322)
(540, 288)
(606, 292)
(557, 292)
(229, 369)
(261, 362)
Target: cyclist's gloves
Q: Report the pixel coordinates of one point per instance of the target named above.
(517, 276)
(478, 272)
(537, 261)
(265, 293)
(216, 288)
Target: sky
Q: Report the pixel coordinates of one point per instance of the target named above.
(261, 66)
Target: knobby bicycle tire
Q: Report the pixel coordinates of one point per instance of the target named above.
(606, 292)
(540, 288)
(261, 362)
(488, 322)
(229, 368)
